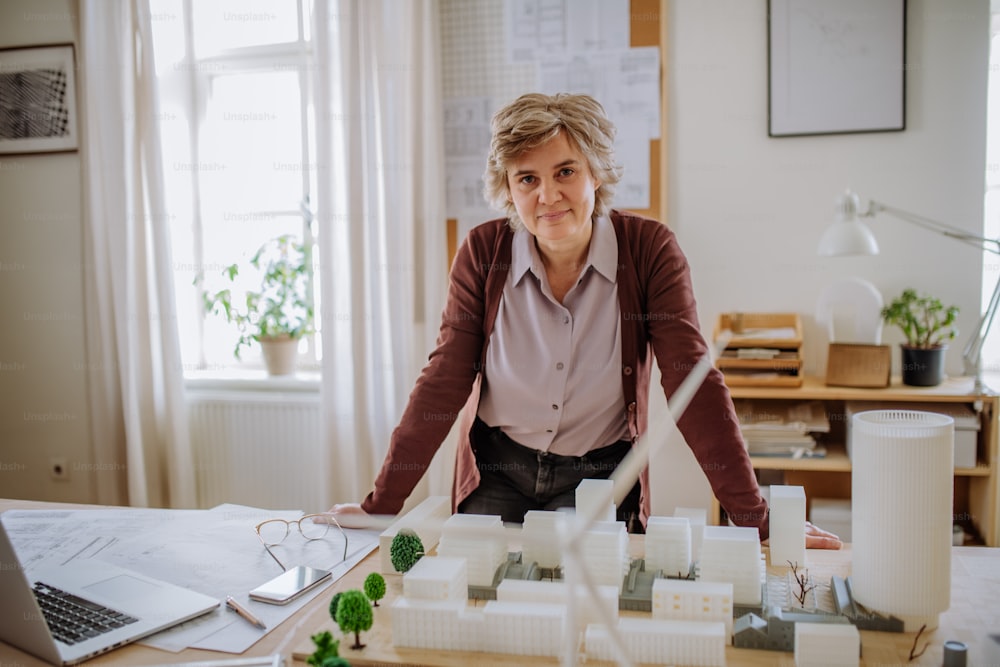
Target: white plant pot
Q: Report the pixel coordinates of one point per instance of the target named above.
(280, 354)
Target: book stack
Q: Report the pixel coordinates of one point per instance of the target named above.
(782, 428)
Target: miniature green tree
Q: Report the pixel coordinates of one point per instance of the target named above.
(326, 654)
(375, 587)
(406, 549)
(333, 606)
(354, 614)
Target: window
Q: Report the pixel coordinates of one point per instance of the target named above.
(237, 135)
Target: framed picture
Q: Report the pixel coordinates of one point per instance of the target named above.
(37, 100)
(836, 66)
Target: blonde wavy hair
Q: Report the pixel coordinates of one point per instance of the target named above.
(533, 119)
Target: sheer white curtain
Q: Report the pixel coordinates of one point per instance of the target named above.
(138, 421)
(380, 208)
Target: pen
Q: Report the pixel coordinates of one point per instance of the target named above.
(239, 609)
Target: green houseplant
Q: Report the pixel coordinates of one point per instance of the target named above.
(928, 325)
(277, 314)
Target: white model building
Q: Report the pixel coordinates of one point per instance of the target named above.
(787, 517)
(438, 578)
(698, 518)
(538, 538)
(524, 628)
(587, 609)
(480, 539)
(732, 554)
(668, 545)
(661, 642)
(425, 520)
(441, 625)
(604, 553)
(595, 495)
(827, 645)
(686, 600)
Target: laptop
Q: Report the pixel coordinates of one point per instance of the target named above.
(102, 607)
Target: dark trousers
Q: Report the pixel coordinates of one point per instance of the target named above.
(515, 478)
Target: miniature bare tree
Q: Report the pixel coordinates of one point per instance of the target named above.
(804, 582)
(913, 649)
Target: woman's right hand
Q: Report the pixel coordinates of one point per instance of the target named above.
(350, 515)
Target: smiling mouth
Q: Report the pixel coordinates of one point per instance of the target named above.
(553, 215)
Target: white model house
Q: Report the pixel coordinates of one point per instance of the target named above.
(687, 600)
(827, 645)
(732, 554)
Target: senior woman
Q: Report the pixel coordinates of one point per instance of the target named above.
(554, 315)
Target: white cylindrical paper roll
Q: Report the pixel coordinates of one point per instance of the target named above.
(901, 485)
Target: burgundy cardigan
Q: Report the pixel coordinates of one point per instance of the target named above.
(658, 315)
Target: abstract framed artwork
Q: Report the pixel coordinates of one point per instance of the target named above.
(836, 66)
(38, 100)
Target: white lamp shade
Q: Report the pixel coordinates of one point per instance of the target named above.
(901, 486)
(848, 235)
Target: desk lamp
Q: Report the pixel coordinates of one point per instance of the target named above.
(849, 236)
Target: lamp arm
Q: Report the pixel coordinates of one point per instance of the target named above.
(981, 242)
(973, 350)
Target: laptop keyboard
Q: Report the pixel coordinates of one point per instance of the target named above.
(73, 619)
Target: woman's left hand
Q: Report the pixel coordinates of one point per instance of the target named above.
(817, 538)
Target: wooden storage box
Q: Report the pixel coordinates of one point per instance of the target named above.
(858, 365)
(764, 349)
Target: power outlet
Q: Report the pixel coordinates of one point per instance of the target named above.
(59, 469)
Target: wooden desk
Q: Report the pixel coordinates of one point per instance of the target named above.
(974, 614)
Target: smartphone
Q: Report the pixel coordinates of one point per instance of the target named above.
(289, 585)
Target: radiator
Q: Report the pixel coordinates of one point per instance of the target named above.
(257, 448)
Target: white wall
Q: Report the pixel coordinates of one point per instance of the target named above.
(43, 368)
(749, 209)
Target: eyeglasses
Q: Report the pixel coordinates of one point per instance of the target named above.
(274, 531)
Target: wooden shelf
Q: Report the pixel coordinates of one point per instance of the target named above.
(835, 461)
(977, 490)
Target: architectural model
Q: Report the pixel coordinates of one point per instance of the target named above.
(696, 608)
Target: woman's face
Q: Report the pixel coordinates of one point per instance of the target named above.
(552, 189)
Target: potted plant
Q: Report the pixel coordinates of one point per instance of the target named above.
(928, 326)
(279, 313)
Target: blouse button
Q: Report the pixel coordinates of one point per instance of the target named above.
(555, 407)
(560, 366)
(628, 370)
